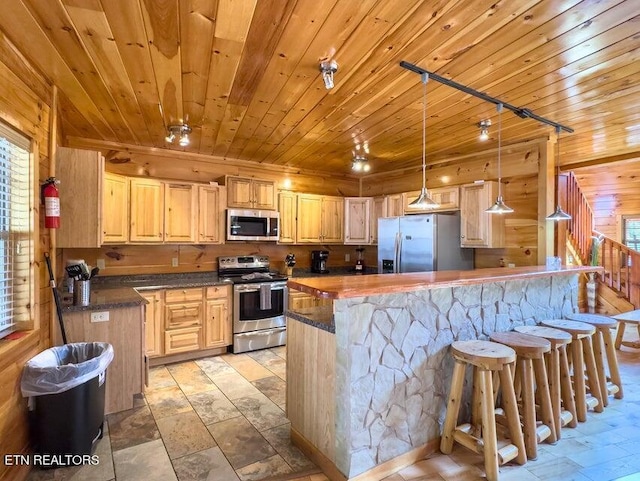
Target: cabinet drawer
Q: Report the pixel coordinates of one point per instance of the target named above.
(183, 295)
(217, 292)
(182, 340)
(188, 314)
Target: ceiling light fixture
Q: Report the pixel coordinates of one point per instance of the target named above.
(499, 207)
(178, 130)
(328, 68)
(484, 129)
(424, 200)
(559, 214)
(360, 164)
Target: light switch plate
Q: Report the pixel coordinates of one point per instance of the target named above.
(347, 257)
(102, 316)
(174, 262)
(100, 264)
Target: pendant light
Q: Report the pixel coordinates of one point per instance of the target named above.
(499, 207)
(424, 200)
(559, 214)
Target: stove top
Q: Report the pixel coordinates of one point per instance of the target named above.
(247, 269)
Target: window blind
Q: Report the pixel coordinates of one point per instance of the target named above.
(632, 233)
(16, 244)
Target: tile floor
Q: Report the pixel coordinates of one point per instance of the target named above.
(222, 419)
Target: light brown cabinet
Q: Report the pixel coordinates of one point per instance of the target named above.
(301, 300)
(393, 205)
(377, 211)
(210, 214)
(217, 324)
(357, 218)
(477, 228)
(115, 209)
(446, 197)
(246, 193)
(80, 173)
(287, 209)
(180, 210)
(153, 326)
(146, 210)
(182, 320)
(320, 219)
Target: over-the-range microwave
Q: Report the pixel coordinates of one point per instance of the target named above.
(252, 225)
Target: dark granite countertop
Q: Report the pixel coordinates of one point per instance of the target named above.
(320, 317)
(103, 299)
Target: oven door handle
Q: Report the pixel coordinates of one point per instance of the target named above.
(251, 288)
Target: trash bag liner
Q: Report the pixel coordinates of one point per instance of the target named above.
(61, 368)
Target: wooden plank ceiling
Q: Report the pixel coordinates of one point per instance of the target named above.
(244, 75)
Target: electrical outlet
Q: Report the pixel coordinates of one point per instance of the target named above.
(511, 264)
(102, 316)
(347, 257)
(174, 262)
(100, 264)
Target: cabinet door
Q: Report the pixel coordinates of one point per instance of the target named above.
(210, 215)
(356, 220)
(287, 209)
(179, 213)
(154, 329)
(377, 211)
(217, 325)
(80, 173)
(147, 211)
(115, 209)
(393, 205)
(264, 194)
(308, 226)
(333, 219)
(239, 192)
(477, 228)
(447, 197)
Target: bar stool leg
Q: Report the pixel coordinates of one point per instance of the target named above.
(620, 333)
(578, 379)
(546, 410)
(568, 400)
(612, 360)
(599, 358)
(592, 375)
(489, 434)
(453, 407)
(552, 360)
(510, 407)
(528, 407)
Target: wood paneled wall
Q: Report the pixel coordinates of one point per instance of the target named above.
(25, 99)
(613, 191)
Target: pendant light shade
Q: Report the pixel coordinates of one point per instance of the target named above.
(559, 214)
(424, 200)
(499, 207)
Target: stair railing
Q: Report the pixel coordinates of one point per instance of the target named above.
(621, 269)
(581, 224)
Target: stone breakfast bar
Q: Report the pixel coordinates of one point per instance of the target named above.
(368, 374)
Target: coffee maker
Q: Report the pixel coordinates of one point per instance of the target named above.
(319, 261)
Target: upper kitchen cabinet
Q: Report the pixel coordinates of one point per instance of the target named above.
(80, 173)
(180, 210)
(147, 210)
(287, 208)
(477, 228)
(377, 211)
(115, 209)
(357, 218)
(210, 214)
(446, 197)
(320, 219)
(393, 205)
(246, 193)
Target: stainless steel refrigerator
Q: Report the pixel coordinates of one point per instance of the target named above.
(421, 243)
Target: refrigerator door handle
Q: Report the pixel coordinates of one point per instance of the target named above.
(396, 250)
(399, 264)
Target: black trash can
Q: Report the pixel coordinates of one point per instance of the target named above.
(66, 387)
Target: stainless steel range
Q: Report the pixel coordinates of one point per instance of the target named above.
(259, 302)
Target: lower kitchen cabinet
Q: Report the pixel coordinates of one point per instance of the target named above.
(188, 320)
(301, 300)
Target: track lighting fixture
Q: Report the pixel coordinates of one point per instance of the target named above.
(328, 68)
(180, 131)
(484, 129)
(424, 200)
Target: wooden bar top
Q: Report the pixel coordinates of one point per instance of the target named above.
(343, 287)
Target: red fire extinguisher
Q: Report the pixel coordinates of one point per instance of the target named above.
(51, 203)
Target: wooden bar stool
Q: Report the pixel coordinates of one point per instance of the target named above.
(530, 352)
(603, 343)
(480, 435)
(631, 317)
(562, 401)
(582, 356)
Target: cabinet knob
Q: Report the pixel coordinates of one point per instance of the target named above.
(462, 237)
